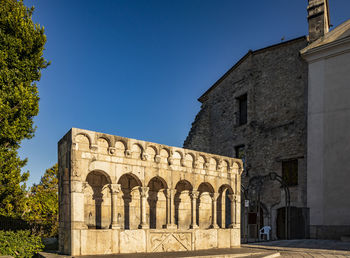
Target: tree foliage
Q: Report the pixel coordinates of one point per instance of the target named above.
(42, 206)
(12, 194)
(20, 243)
(21, 60)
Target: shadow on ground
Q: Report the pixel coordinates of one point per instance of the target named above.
(306, 244)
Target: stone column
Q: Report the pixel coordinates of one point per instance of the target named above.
(115, 189)
(144, 194)
(77, 205)
(77, 222)
(98, 198)
(233, 199)
(194, 196)
(214, 198)
(170, 194)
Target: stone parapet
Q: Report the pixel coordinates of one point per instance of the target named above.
(148, 241)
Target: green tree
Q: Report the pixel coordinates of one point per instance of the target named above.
(21, 60)
(42, 205)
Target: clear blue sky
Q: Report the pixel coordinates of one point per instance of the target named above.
(136, 68)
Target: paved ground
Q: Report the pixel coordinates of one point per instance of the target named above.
(305, 248)
(285, 248)
(217, 253)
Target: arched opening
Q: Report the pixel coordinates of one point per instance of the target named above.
(183, 204)
(204, 205)
(129, 201)
(97, 201)
(224, 206)
(157, 202)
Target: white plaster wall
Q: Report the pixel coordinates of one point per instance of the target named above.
(328, 161)
(337, 140)
(315, 143)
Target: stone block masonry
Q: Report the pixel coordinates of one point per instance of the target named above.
(120, 195)
(274, 81)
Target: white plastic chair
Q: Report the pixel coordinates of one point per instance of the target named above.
(265, 231)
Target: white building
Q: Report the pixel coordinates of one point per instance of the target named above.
(328, 133)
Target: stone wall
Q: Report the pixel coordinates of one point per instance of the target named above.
(120, 195)
(275, 81)
(165, 240)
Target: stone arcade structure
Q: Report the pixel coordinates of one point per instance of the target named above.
(120, 195)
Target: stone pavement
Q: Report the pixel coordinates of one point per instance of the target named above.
(305, 248)
(283, 248)
(217, 253)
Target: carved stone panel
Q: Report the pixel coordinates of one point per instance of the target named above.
(133, 241)
(169, 242)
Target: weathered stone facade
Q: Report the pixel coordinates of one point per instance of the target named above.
(275, 81)
(120, 195)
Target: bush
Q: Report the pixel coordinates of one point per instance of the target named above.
(20, 243)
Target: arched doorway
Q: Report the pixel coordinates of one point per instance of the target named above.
(255, 210)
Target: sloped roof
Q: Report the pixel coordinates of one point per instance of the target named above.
(340, 32)
(250, 52)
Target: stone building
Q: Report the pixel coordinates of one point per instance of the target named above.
(257, 111)
(120, 195)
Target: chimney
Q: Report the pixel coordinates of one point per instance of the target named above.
(318, 18)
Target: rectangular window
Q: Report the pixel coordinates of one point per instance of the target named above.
(290, 172)
(242, 102)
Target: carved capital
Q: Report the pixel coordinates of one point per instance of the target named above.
(214, 196)
(115, 188)
(194, 194)
(144, 156)
(170, 160)
(85, 185)
(127, 153)
(111, 150)
(144, 191)
(157, 158)
(196, 164)
(93, 147)
(220, 165)
(182, 162)
(167, 193)
(170, 193)
(206, 165)
(233, 197)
